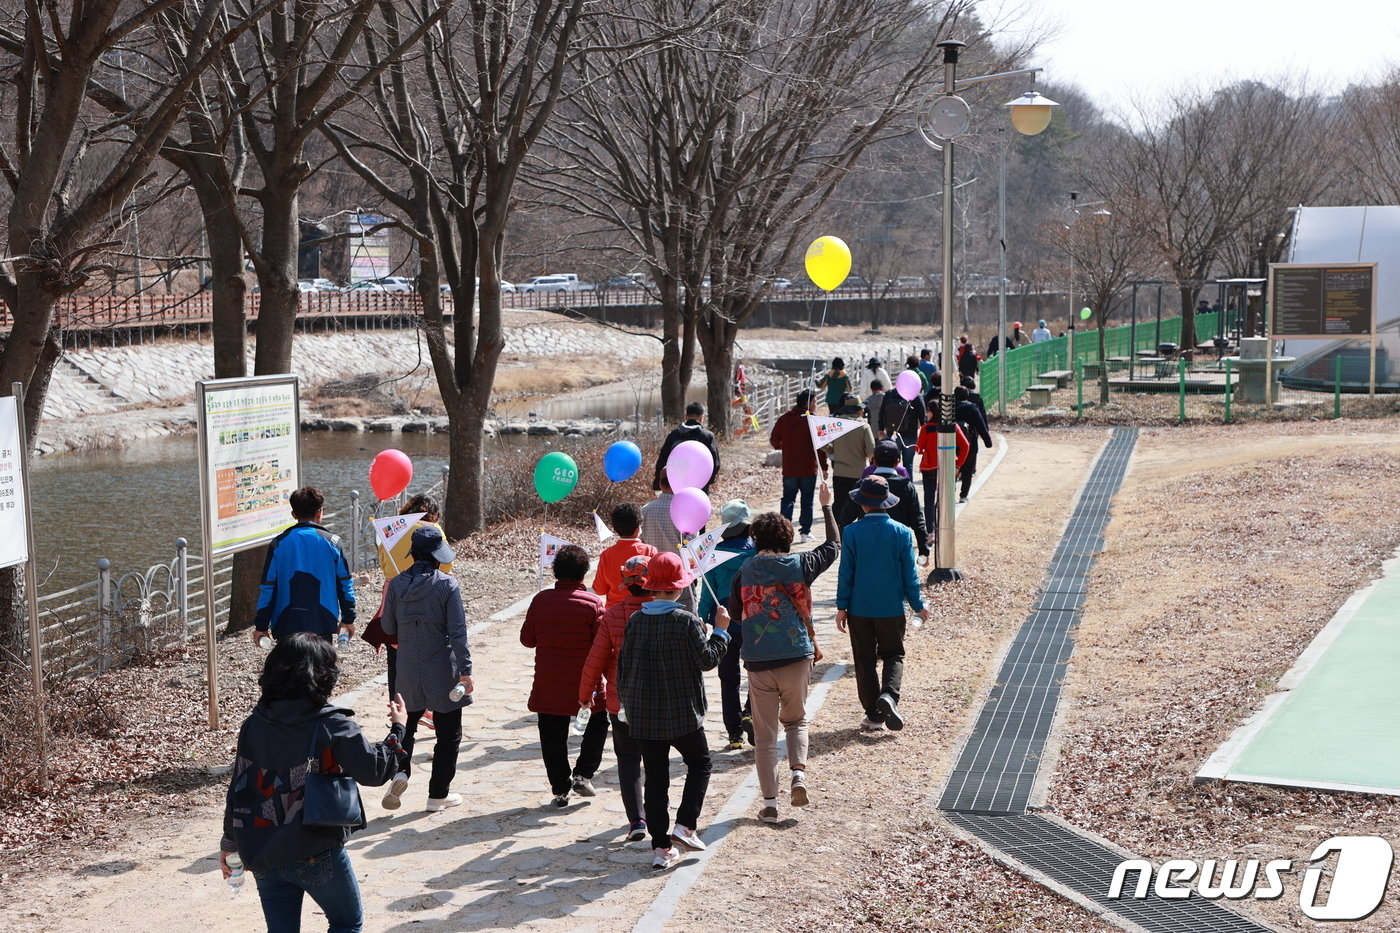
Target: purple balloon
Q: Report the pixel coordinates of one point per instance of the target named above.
(690, 464)
(907, 384)
(690, 510)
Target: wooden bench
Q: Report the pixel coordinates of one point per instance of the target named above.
(1038, 396)
(1060, 377)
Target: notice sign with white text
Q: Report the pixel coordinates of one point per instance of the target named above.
(250, 458)
(14, 534)
(1333, 300)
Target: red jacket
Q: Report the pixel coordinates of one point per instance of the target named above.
(607, 582)
(927, 448)
(602, 659)
(560, 625)
(792, 436)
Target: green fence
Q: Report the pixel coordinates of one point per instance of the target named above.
(1025, 364)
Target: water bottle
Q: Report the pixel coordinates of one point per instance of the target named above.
(622, 714)
(342, 641)
(457, 692)
(581, 720)
(235, 879)
(265, 643)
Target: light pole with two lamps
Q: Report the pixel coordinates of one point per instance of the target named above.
(941, 120)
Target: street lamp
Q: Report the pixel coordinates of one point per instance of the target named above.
(1071, 215)
(941, 120)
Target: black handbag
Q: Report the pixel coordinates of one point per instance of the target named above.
(329, 799)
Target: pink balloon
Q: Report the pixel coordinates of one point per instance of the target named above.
(390, 473)
(907, 384)
(690, 510)
(690, 464)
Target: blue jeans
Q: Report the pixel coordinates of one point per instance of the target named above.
(792, 485)
(330, 881)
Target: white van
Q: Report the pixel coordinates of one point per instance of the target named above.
(559, 282)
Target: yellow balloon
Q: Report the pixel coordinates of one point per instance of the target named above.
(828, 261)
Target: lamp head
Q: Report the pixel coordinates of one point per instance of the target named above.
(1030, 113)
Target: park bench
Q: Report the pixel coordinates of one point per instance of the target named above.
(1060, 377)
(1038, 396)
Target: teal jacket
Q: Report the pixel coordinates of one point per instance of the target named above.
(877, 575)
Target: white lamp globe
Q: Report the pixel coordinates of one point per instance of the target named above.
(1030, 113)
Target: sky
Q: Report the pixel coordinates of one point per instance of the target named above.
(1122, 51)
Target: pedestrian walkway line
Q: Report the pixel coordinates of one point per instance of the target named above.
(740, 802)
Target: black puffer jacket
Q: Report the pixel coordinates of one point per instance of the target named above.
(262, 812)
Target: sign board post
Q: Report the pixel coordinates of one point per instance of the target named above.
(17, 547)
(1318, 301)
(249, 464)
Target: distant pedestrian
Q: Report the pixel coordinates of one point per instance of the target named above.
(626, 523)
(874, 403)
(916, 366)
(306, 585)
(836, 383)
(968, 361)
(900, 421)
(423, 610)
(738, 723)
(692, 429)
(801, 461)
(926, 364)
(974, 396)
(263, 816)
(1018, 337)
(560, 625)
(1040, 334)
(876, 578)
(600, 673)
(773, 596)
(972, 423)
(928, 469)
(850, 453)
(659, 677)
(873, 371)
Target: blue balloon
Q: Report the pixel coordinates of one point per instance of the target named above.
(622, 460)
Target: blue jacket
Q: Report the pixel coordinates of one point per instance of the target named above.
(877, 574)
(305, 584)
(721, 578)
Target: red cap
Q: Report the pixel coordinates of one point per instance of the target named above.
(666, 572)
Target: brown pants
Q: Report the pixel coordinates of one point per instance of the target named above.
(779, 696)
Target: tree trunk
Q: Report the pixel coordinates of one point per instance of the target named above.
(277, 279)
(717, 344)
(672, 388)
(466, 500)
(1188, 318)
(1103, 357)
(228, 289)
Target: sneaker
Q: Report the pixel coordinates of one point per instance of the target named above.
(962, 500)
(584, 786)
(803, 538)
(768, 814)
(746, 724)
(736, 741)
(392, 796)
(687, 837)
(892, 717)
(637, 831)
(426, 721)
(662, 859)
(869, 725)
(799, 791)
(560, 800)
(442, 803)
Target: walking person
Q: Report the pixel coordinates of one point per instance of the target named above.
(906, 511)
(873, 403)
(738, 723)
(306, 584)
(560, 625)
(423, 609)
(926, 364)
(875, 580)
(873, 371)
(968, 361)
(263, 817)
(772, 594)
(901, 421)
(801, 461)
(972, 423)
(692, 429)
(600, 673)
(836, 383)
(850, 454)
(928, 468)
(659, 678)
(626, 523)
(1041, 333)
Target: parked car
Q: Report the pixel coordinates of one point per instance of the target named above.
(633, 280)
(365, 285)
(909, 281)
(560, 282)
(396, 283)
(854, 283)
(780, 283)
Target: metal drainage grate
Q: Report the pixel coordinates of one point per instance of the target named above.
(1087, 867)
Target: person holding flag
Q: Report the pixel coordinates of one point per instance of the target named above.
(851, 450)
(772, 597)
(734, 547)
(607, 581)
(802, 460)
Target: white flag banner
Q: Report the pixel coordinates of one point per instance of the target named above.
(549, 547)
(699, 552)
(603, 532)
(389, 531)
(826, 430)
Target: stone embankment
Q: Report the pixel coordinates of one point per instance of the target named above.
(112, 396)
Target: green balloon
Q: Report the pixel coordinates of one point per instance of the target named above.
(1085, 313)
(556, 475)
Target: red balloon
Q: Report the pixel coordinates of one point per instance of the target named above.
(390, 473)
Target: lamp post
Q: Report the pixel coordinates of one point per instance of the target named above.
(941, 120)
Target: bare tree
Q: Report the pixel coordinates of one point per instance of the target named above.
(1372, 134)
(451, 132)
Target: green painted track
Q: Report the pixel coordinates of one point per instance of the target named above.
(1339, 725)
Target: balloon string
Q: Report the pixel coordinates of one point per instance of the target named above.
(826, 303)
